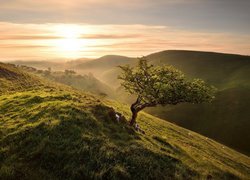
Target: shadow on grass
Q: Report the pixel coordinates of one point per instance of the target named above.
(83, 146)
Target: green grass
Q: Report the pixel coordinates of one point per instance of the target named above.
(197, 151)
(56, 132)
(49, 134)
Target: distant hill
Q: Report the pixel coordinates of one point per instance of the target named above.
(44, 65)
(105, 62)
(52, 131)
(101, 66)
(222, 70)
(85, 82)
(58, 65)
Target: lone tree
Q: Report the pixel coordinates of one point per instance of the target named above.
(165, 85)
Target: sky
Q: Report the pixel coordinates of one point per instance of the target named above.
(70, 29)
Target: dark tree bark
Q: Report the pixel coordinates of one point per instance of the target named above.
(134, 112)
(136, 107)
(134, 115)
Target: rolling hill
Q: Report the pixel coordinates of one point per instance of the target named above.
(227, 118)
(52, 131)
(228, 72)
(222, 70)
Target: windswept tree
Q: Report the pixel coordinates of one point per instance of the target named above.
(161, 85)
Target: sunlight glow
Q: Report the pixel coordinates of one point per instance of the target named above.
(72, 41)
(70, 44)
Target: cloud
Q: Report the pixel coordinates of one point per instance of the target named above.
(27, 37)
(111, 36)
(211, 15)
(14, 46)
(43, 40)
(47, 4)
(90, 36)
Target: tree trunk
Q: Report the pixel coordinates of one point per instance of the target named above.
(134, 116)
(134, 112)
(137, 107)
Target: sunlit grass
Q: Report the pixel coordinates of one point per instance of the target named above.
(55, 132)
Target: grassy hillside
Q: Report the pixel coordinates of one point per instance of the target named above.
(229, 73)
(50, 131)
(12, 79)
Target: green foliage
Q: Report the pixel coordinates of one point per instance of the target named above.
(163, 85)
(155, 85)
(69, 72)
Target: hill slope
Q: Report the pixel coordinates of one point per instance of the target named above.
(229, 73)
(223, 70)
(12, 79)
(227, 117)
(56, 132)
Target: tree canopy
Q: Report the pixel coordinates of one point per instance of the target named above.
(161, 85)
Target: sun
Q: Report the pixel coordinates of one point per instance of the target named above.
(69, 43)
